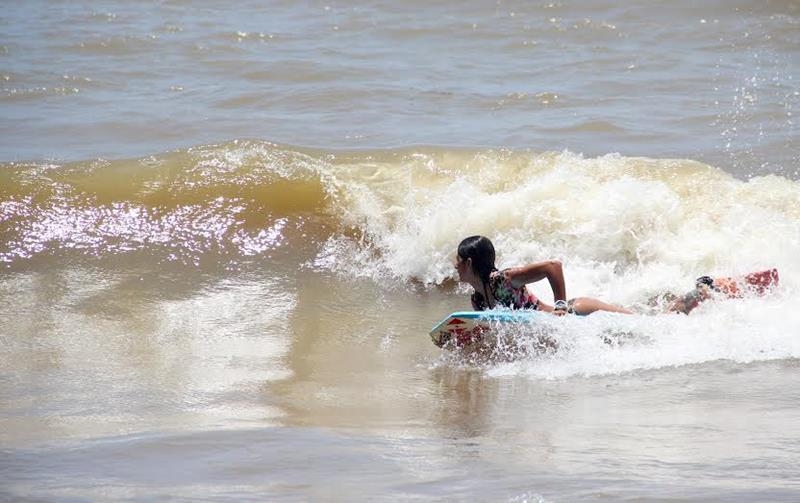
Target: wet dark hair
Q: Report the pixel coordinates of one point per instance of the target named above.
(481, 251)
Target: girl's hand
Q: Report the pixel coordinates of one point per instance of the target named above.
(560, 308)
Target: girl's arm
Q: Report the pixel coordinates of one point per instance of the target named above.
(531, 273)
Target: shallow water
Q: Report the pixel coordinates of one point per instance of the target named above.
(225, 231)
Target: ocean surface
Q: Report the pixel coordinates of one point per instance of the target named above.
(227, 227)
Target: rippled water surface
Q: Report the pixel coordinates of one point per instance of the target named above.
(714, 81)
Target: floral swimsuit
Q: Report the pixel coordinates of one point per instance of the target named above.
(506, 294)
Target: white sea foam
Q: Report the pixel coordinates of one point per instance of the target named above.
(626, 226)
(742, 331)
(626, 230)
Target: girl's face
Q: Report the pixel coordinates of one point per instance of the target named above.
(464, 268)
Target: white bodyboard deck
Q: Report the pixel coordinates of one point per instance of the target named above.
(463, 328)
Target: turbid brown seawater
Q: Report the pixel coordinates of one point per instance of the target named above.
(226, 229)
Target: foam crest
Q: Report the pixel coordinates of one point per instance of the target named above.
(630, 217)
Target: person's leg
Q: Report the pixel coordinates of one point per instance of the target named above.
(759, 282)
(685, 303)
(588, 305)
